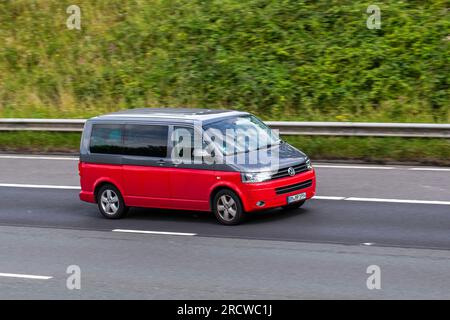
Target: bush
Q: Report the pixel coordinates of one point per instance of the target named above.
(281, 59)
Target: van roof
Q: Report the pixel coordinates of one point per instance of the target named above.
(169, 114)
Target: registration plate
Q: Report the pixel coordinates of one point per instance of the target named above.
(296, 197)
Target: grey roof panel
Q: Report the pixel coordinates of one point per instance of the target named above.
(169, 114)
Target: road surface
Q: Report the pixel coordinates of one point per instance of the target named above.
(394, 217)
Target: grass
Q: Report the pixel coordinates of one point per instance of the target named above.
(39, 142)
(377, 150)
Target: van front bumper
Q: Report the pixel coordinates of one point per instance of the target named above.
(274, 193)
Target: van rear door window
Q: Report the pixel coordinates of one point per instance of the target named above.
(106, 138)
(146, 140)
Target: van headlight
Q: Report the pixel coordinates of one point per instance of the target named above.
(308, 164)
(253, 177)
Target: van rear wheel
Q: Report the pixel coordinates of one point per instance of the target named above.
(110, 202)
(227, 207)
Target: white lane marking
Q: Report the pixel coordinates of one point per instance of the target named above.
(381, 168)
(38, 158)
(336, 198)
(429, 169)
(24, 276)
(352, 167)
(447, 203)
(25, 157)
(38, 186)
(155, 232)
(328, 198)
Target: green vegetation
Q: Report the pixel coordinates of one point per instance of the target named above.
(381, 150)
(39, 142)
(281, 59)
(426, 151)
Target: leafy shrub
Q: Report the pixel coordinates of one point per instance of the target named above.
(281, 59)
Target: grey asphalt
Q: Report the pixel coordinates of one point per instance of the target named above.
(314, 252)
(160, 267)
(405, 225)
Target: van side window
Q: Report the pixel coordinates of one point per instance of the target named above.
(146, 140)
(106, 138)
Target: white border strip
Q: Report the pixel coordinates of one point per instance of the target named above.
(154, 232)
(38, 186)
(24, 276)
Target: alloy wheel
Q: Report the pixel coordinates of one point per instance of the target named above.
(226, 207)
(109, 202)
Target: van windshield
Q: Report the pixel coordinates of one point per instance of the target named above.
(241, 134)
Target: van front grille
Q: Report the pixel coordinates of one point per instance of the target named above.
(283, 172)
(294, 187)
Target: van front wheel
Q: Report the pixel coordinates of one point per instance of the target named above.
(110, 202)
(227, 207)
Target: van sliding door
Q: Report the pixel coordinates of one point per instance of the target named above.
(145, 165)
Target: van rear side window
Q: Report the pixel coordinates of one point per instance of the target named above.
(107, 138)
(146, 140)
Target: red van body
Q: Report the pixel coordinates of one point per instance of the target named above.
(173, 194)
(160, 183)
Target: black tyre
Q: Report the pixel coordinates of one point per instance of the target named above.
(294, 205)
(227, 207)
(110, 202)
